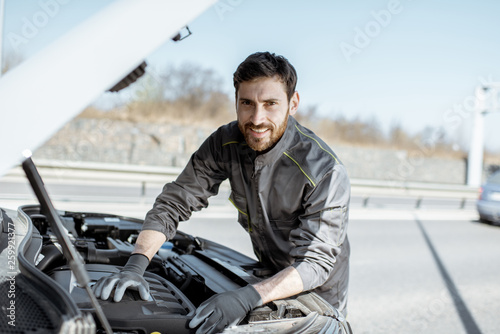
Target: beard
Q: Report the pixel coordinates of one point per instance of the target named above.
(263, 144)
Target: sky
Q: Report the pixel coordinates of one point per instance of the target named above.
(415, 63)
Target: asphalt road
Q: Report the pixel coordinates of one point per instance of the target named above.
(408, 276)
(424, 276)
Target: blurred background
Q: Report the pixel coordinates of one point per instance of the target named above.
(390, 85)
(395, 87)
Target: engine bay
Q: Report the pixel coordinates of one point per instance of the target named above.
(182, 276)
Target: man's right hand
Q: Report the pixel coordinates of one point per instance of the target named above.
(130, 277)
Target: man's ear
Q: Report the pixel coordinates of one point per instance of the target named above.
(294, 103)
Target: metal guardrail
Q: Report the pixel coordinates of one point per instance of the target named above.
(417, 203)
(144, 176)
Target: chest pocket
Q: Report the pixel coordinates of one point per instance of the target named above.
(240, 203)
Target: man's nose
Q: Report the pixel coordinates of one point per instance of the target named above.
(258, 115)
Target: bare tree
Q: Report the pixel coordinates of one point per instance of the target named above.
(190, 84)
(398, 137)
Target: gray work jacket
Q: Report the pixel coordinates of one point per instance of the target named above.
(293, 201)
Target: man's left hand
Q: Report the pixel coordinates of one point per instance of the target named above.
(225, 309)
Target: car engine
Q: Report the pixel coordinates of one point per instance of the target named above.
(182, 276)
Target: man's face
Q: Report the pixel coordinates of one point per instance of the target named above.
(262, 108)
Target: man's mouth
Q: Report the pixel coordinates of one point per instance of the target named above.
(259, 133)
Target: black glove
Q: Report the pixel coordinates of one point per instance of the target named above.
(225, 309)
(131, 276)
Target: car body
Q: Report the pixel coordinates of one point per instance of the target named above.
(488, 204)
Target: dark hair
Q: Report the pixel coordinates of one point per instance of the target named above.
(266, 64)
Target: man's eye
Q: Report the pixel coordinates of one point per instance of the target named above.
(245, 103)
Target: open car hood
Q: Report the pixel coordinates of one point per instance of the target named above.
(48, 89)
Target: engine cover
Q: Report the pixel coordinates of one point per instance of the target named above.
(167, 309)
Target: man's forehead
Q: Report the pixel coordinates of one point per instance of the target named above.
(264, 87)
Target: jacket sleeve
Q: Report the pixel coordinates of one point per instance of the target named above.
(199, 180)
(318, 239)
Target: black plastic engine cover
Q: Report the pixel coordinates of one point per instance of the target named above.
(167, 310)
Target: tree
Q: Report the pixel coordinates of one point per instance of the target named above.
(190, 84)
(398, 137)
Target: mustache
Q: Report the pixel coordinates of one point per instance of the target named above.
(250, 125)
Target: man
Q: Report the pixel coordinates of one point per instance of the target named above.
(291, 192)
